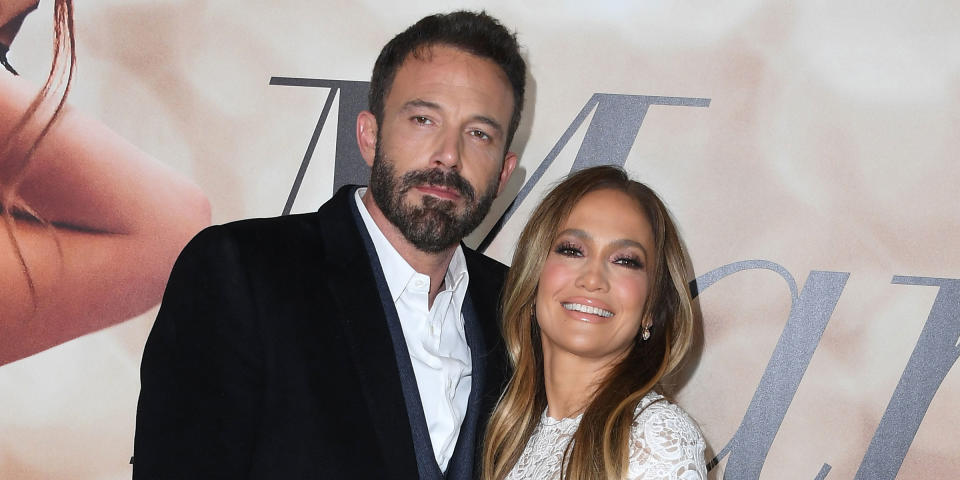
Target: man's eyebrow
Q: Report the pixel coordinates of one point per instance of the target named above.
(488, 122)
(418, 102)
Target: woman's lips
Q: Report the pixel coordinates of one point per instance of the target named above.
(579, 307)
(587, 309)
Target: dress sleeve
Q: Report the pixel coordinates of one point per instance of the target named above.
(666, 444)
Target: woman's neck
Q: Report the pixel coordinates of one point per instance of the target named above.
(570, 382)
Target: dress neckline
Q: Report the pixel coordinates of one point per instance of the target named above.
(559, 422)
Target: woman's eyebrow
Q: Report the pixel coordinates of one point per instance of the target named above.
(626, 242)
(623, 242)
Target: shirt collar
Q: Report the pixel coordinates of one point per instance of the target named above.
(457, 277)
(397, 271)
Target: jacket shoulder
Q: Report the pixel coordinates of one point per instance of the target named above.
(332, 223)
(479, 262)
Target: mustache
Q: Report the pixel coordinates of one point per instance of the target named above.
(433, 176)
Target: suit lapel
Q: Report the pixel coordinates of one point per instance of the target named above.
(486, 351)
(462, 462)
(485, 291)
(359, 309)
(422, 445)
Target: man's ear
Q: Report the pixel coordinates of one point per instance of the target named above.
(509, 163)
(367, 136)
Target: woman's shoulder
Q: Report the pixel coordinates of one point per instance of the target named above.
(656, 414)
(666, 441)
(656, 406)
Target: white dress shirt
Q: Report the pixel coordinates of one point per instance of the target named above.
(434, 336)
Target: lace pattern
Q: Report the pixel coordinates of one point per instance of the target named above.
(664, 444)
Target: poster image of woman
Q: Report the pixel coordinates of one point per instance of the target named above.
(90, 225)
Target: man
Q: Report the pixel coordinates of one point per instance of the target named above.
(359, 341)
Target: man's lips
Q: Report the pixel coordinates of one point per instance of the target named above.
(440, 191)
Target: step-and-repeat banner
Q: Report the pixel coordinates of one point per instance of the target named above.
(808, 151)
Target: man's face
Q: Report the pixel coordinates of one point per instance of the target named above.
(439, 159)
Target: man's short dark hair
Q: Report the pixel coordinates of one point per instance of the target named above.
(473, 32)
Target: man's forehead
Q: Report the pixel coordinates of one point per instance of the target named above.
(430, 52)
(442, 65)
(425, 52)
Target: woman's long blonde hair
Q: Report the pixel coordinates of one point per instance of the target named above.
(600, 447)
(17, 148)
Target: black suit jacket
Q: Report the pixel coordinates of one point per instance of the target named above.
(271, 356)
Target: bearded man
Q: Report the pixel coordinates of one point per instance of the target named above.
(359, 341)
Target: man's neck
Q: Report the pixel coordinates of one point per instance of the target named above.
(434, 265)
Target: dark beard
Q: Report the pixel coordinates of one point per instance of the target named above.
(435, 225)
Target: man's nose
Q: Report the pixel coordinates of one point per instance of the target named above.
(448, 149)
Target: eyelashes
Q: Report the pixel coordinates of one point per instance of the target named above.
(629, 261)
(569, 249)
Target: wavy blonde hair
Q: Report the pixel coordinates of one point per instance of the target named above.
(19, 148)
(600, 447)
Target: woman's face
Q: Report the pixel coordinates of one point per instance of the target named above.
(594, 282)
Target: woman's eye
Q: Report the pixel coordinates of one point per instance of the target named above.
(569, 250)
(629, 262)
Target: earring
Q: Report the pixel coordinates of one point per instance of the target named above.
(646, 333)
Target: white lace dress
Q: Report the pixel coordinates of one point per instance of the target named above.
(664, 444)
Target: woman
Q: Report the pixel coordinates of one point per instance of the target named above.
(596, 312)
(90, 225)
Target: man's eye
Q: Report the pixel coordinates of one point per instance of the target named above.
(480, 134)
(420, 119)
